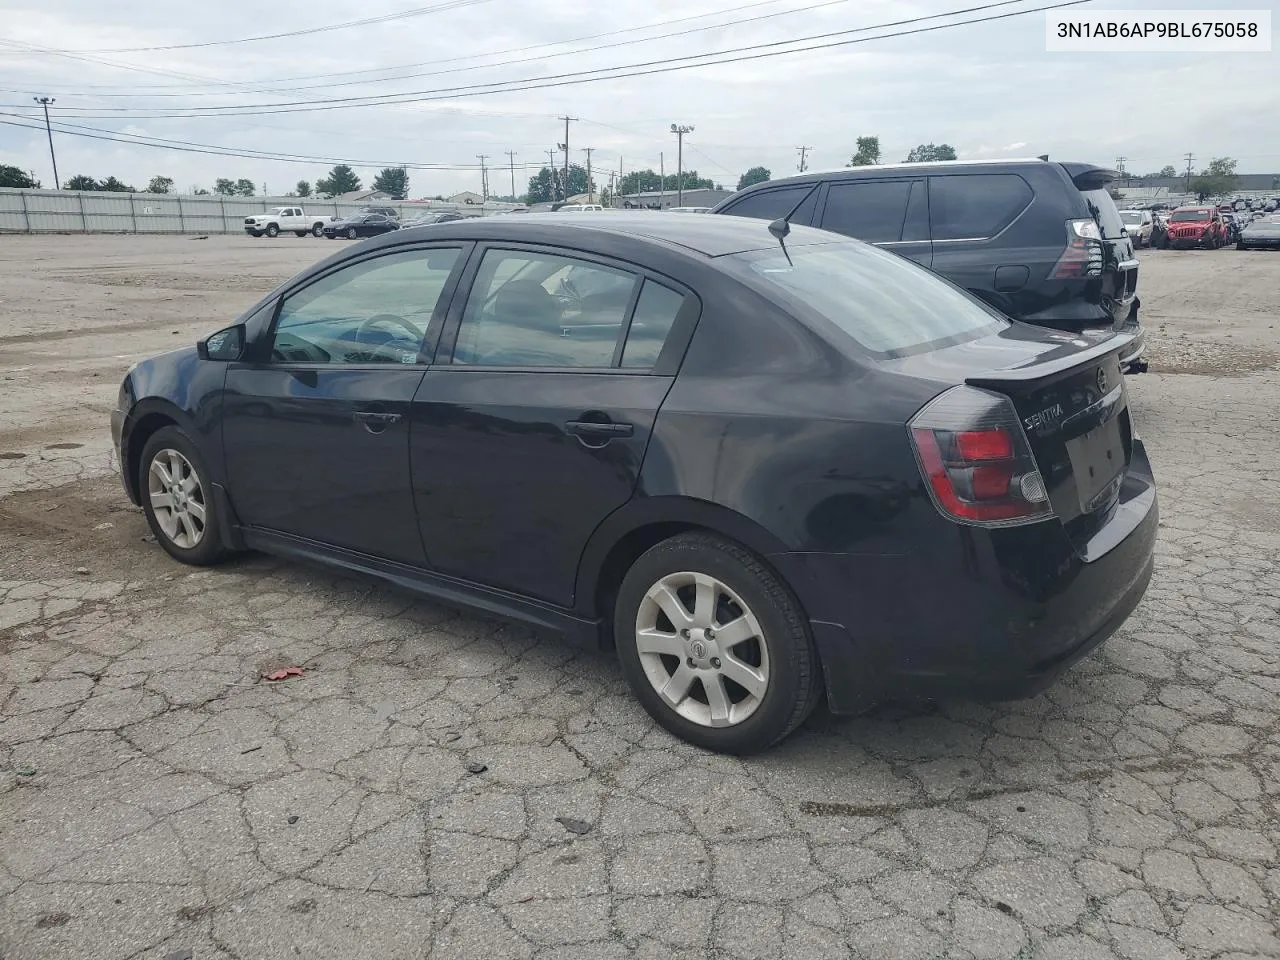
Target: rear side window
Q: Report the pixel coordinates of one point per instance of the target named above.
(655, 313)
(887, 304)
(1103, 210)
(772, 204)
(871, 210)
(976, 206)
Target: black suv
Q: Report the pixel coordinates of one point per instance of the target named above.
(1041, 241)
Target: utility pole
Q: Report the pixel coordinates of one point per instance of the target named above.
(662, 181)
(1120, 165)
(1189, 159)
(590, 192)
(551, 165)
(802, 151)
(565, 147)
(44, 102)
(484, 176)
(680, 129)
(511, 155)
(619, 185)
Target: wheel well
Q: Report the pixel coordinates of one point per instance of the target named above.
(619, 560)
(138, 438)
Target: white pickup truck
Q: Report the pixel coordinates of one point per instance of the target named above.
(278, 220)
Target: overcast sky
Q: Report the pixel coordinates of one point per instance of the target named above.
(989, 89)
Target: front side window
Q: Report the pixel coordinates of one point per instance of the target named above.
(889, 305)
(374, 311)
(871, 210)
(772, 204)
(531, 309)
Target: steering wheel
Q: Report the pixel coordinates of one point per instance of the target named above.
(382, 318)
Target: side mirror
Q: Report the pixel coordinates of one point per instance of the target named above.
(226, 344)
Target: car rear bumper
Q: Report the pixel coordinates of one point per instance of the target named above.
(988, 613)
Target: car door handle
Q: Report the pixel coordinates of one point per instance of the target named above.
(599, 431)
(375, 421)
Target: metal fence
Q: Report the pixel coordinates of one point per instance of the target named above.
(73, 211)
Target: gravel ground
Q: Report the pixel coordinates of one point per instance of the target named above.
(437, 785)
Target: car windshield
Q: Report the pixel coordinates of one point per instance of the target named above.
(1131, 216)
(1189, 216)
(890, 306)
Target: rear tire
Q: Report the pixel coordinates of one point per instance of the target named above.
(177, 497)
(318, 230)
(743, 622)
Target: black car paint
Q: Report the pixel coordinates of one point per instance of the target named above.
(364, 224)
(770, 434)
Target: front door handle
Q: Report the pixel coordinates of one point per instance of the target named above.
(596, 433)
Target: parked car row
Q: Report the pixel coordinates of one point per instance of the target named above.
(368, 222)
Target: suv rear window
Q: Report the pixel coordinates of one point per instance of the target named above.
(973, 206)
(888, 304)
(772, 204)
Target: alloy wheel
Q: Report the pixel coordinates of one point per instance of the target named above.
(177, 498)
(702, 649)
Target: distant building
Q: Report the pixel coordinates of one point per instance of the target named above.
(466, 196)
(663, 200)
(366, 196)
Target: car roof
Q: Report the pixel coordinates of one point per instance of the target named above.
(709, 236)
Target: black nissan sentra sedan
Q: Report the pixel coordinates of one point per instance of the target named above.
(765, 464)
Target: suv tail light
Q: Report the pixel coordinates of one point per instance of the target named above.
(1083, 255)
(976, 461)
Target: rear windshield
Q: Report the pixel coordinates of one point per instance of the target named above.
(1103, 210)
(1131, 216)
(1189, 216)
(889, 305)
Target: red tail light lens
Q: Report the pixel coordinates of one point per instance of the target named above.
(976, 461)
(1083, 255)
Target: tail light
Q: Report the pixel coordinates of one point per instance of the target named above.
(976, 461)
(1083, 255)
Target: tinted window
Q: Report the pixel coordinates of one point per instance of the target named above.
(886, 303)
(1103, 210)
(539, 310)
(655, 313)
(772, 204)
(976, 205)
(871, 210)
(375, 311)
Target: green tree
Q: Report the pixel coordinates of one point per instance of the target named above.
(754, 175)
(80, 182)
(160, 185)
(868, 152)
(543, 186)
(13, 177)
(928, 153)
(116, 186)
(341, 179)
(224, 187)
(245, 187)
(1167, 171)
(639, 181)
(393, 181)
(199, 191)
(1216, 179)
(303, 189)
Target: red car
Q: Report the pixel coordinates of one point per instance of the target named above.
(1196, 227)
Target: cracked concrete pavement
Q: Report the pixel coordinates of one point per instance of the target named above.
(439, 786)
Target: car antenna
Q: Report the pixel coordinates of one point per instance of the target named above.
(781, 228)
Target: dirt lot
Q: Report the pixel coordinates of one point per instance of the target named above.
(158, 801)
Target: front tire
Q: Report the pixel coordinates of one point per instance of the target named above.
(177, 498)
(714, 645)
(273, 230)
(318, 230)
(351, 233)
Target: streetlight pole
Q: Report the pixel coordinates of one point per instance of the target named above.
(680, 129)
(44, 102)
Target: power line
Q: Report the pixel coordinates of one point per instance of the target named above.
(215, 150)
(368, 21)
(506, 63)
(646, 68)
